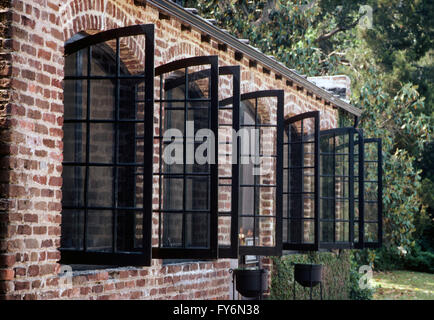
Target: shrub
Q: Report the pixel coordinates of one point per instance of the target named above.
(340, 277)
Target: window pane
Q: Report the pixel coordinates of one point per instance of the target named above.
(100, 190)
(75, 99)
(104, 58)
(99, 228)
(247, 203)
(130, 187)
(342, 232)
(198, 85)
(371, 232)
(265, 232)
(224, 231)
(128, 94)
(174, 119)
(127, 140)
(196, 230)
(129, 230)
(173, 194)
(102, 99)
(172, 229)
(197, 193)
(246, 231)
(72, 229)
(74, 142)
(76, 63)
(327, 231)
(73, 186)
(102, 137)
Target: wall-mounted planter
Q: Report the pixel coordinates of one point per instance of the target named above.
(251, 283)
(308, 275)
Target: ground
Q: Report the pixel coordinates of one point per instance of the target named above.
(403, 285)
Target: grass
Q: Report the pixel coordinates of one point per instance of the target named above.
(403, 285)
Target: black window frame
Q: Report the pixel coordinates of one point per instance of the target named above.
(231, 251)
(275, 250)
(114, 258)
(161, 252)
(315, 115)
(352, 179)
(378, 159)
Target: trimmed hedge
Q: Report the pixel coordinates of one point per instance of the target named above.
(340, 280)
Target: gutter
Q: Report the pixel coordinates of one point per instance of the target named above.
(177, 11)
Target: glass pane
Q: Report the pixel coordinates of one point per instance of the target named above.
(74, 142)
(99, 230)
(225, 194)
(75, 99)
(267, 205)
(199, 156)
(371, 171)
(342, 209)
(199, 82)
(224, 231)
(173, 194)
(100, 191)
(309, 180)
(342, 232)
(196, 230)
(371, 211)
(101, 147)
(76, 63)
(371, 232)
(265, 232)
(199, 113)
(173, 85)
(309, 129)
(247, 200)
(104, 58)
(102, 99)
(127, 99)
(246, 231)
(73, 186)
(72, 229)
(129, 230)
(174, 119)
(371, 190)
(130, 187)
(172, 230)
(197, 193)
(308, 231)
(327, 231)
(308, 207)
(127, 153)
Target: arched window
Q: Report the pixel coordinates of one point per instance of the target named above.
(301, 182)
(260, 162)
(108, 136)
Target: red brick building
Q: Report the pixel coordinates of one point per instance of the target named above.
(82, 182)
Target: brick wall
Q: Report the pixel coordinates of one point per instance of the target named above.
(32, 35)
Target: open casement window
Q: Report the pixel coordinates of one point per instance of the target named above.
(187, 170)
(260, 140)
(229, 115)
(301, 182)
(340, 181)
(108, 144)
(371, 222)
